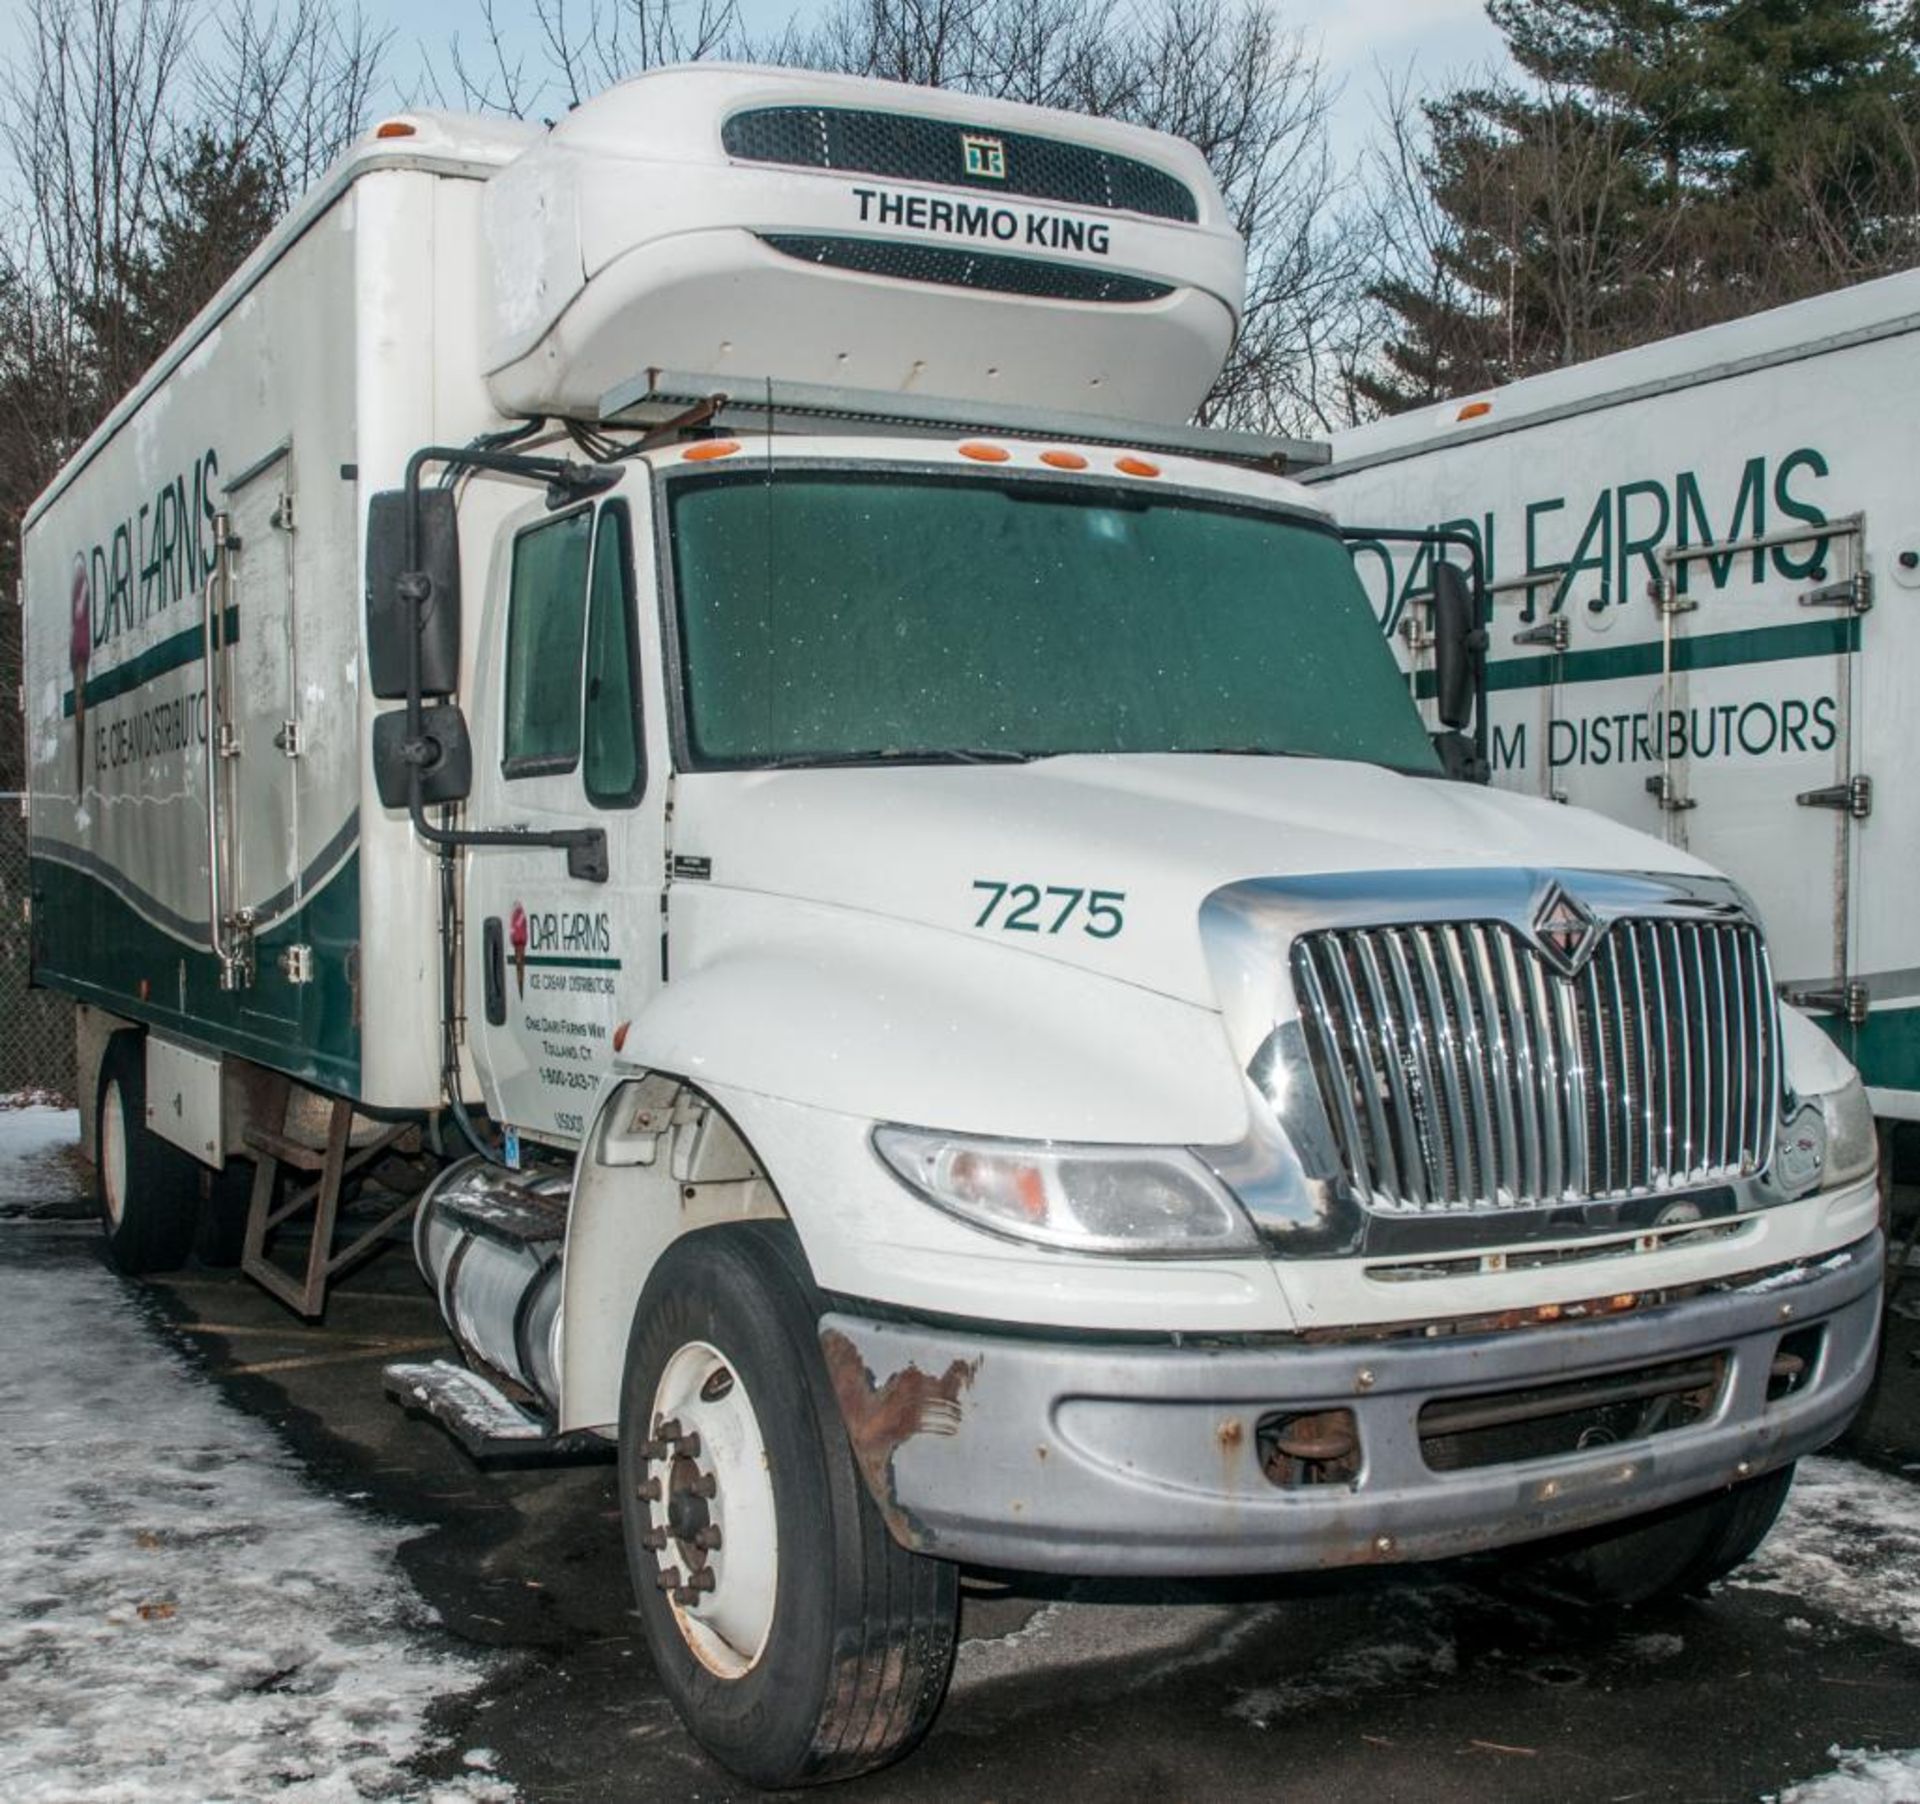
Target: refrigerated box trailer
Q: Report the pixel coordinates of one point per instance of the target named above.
(691, 658)
(1705, 560)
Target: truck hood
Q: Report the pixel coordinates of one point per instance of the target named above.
(1147, 838)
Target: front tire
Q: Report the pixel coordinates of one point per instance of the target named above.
(798, 1642)
(1673, 1554)
(147, 1189)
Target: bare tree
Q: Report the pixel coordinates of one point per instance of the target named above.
(580, 47)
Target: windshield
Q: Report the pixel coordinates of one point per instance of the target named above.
(834, 613)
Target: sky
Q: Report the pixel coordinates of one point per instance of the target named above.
(1435, 39)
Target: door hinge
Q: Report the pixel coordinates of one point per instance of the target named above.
(1557, 633)
(296, 964)
(1854, 593)
(1855, 796)
(288, 738)
(1848, 999)
(227, 740)
(1667, 794)
(282, 515)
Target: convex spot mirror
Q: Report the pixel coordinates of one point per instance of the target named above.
(445, 761)
(1458, 641)
(391, 616)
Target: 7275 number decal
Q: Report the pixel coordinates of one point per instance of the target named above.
(1030, 908)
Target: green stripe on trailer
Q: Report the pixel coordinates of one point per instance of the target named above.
(1886, 1046)
(1708, 651)
(93, 944)
(185, 647)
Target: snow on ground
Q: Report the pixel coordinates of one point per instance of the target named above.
(1862, 1778)
(39, 1165)
(1848, 1542)
(183, 1618)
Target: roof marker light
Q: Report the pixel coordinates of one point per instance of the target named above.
(708, 450)
(1135, 466)
(396, 128)
(1474, 409)
(985, 454)
(1063, 460)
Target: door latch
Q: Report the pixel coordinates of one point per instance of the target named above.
(1556, 633)
(296, 964)
(288, 738)
(1666, 793)
(1855, 797)
(1854, 593)
(1848, 999)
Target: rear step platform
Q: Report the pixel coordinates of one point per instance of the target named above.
(482, 1417)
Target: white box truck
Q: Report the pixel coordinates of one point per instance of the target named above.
(1705, 558)
(689, 657)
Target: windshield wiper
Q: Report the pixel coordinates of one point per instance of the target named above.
(959, 754)
(1240, 751)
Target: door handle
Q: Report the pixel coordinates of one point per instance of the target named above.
(493, 944)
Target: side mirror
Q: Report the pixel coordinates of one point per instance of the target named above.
(391, 615)
(445, 762)
(1459, 644)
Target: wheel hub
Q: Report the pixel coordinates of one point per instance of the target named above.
(708, 1496)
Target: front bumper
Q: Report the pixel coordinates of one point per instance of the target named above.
(1089, 1458)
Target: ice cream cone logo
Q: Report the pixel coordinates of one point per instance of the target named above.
(517, 935)
(79, 650)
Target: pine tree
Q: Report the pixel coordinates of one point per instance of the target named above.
(1665, 164)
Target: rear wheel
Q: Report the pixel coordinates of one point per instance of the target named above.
(1678, 1551)
(797, 1640)
(148, 1190)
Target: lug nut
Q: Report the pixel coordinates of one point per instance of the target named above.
(654, 1450)
(668, 1578)
(689, 1447)
(653, 1539)
(669, 1430)
(704, 1485)
(648, 1488)
(708, 1537)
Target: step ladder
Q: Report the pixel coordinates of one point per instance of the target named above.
(327, 1169)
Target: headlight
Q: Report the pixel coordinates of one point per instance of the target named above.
(1085, 1199)
(1852, 1146)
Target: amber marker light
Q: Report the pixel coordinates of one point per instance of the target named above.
(396, 128)
(985, 454)
(1474, 410)
(1063, 460)
(710, 449)
(1135, 466)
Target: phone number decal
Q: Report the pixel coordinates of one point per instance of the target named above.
(1051, 908)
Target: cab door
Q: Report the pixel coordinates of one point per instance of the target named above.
(554, 963)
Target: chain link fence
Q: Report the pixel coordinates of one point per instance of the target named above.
(36, 1026)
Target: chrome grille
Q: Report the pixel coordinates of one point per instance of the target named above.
(1461, 1070)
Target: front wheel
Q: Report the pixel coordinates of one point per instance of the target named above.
(797, 1640)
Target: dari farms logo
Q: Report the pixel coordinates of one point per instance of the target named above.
(983, 159)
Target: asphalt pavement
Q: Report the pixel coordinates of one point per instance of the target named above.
(1431, 1684)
